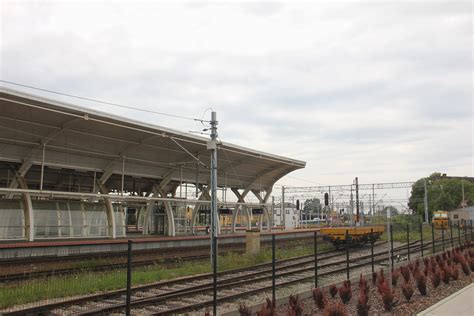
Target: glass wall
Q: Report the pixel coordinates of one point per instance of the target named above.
(119, 213)
(11, 219)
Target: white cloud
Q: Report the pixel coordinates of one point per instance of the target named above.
(382, 90)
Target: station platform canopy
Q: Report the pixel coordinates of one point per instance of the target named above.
(52, 146)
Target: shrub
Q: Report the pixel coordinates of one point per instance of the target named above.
(426, 261)
(335, 309)
(405, 273)
(345, 292)
(380, 277)
(465, 267)
(374, 277)
(333, 290)
(362, 304)
(388, 297)
(471, 264)
(455, 272)
(267, 309)
(435, 279)
(363, 285)
(407, 291)
(244, 310)
(319, 298)
(421, 283)
(395, 275)
(426, 271)
(296, 306)
(446, 274)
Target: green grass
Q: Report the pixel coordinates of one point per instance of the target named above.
(94, 282)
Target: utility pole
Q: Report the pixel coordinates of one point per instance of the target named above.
(462, 188)
(283, 213)
(212, 145)
(352, 206)
(357, 200)
(373, 200)
(426, 203)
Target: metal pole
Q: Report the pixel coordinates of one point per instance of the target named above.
(426, 202)
(315, 259)
(129, 278)
(391, 247)
(214, 212)
(352, 207)
(373, 200)
(357, 201)
(372, 249)
(459, 232)
(42, 167)
(408, 241)
(433, 238)
(465, 230)
(421, 238)
(389, 228)
(442, 234)
(273, 269)
(123, 175)
(347, 254)
(451, 232)
(283, 213)
(471, 228)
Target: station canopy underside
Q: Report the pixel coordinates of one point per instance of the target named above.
(54, 155)
(86, 141)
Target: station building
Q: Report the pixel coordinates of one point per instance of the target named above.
(71, 172)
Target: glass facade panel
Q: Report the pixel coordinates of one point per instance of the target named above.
(95, 220)
(11, 219)
(47, 219)
(119, 213)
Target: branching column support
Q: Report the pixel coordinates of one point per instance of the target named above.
(264, 200)
(240, 199)
(168, 209)
(205, 196)
(28, 215)
(112, 225)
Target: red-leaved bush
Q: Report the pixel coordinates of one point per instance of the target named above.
(395, 275)
(333, 290)
(455, 272)
(363, 284)
(335, 309)
(405, 273)
(362, 304)
(388, 297)
(374, 277)
(345, 292)
(445, 274)
(296, 306)
(244, 310)
(421, 283)
(407, 291)
(319, 298)
(267, 309)
(435, 279)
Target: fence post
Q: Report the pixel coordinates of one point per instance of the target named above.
(372, 249)
(408, 241)
(214, 276)
(465, 231)
(442, 234)
(315, 259)
(391, 245)
(273, 270)
(347, 254)
(459, 232)
(451, 233)
(421, 238)
(129, 278)
(433, 238)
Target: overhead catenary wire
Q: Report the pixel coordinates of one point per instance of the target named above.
(103, 102)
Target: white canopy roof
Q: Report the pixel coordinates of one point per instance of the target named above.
(83, 141)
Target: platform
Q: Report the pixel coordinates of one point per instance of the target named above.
(56, 248)
(460, 303)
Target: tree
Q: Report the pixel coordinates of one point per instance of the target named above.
(312, 206)
(444, 193)
(393, 211)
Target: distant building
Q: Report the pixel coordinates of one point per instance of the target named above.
(291, 215)
(462, 214)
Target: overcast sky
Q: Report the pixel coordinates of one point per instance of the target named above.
(376, 89)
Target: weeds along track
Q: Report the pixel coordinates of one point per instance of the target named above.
(195, 292)
(13, 270)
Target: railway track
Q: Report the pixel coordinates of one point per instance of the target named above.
(182, 294)
(28, 267)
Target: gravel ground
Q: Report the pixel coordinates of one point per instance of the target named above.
(417, 303)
